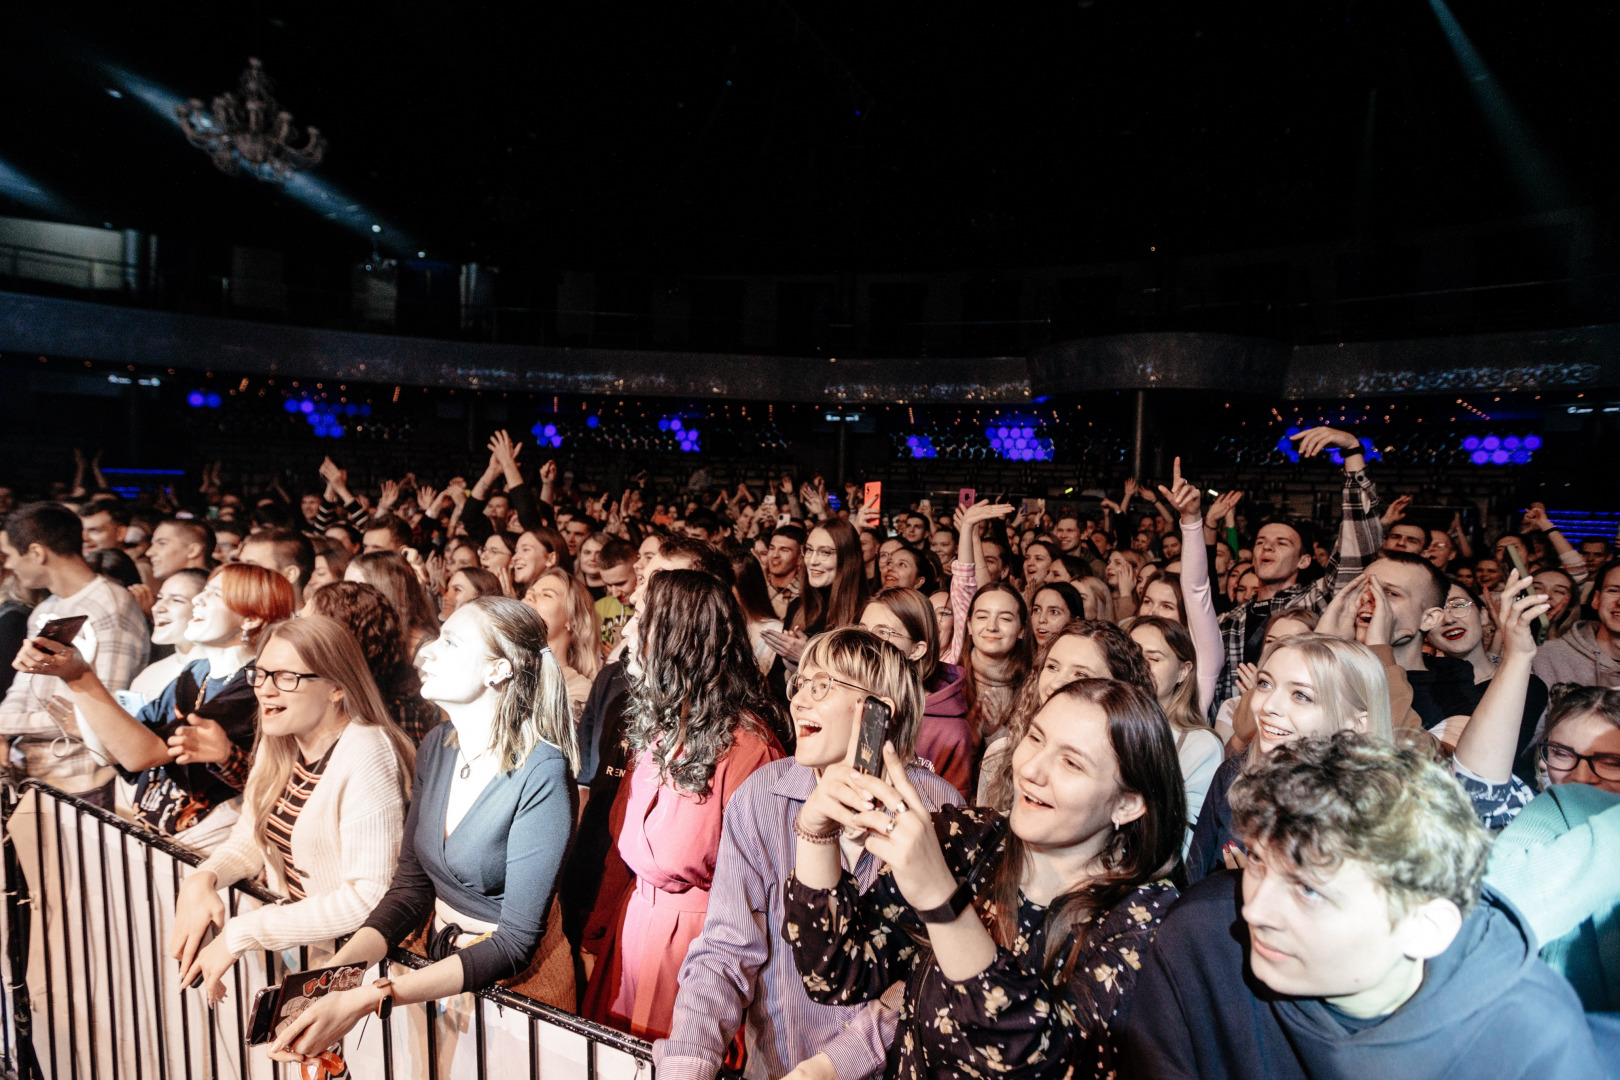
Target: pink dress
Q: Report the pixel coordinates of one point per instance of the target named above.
(669, 840)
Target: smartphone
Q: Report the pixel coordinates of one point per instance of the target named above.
(874, 731)
(784, 518)
(873, 495)
(768, 504)
(1543, 623)
(63, 631)
(965, 497)
(1032, 507)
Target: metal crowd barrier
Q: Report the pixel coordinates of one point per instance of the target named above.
(90, 990)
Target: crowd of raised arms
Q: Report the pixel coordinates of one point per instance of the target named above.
(1164, 791)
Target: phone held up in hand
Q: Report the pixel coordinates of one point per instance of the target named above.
(874, 732)
(1543, 623)
(62, 631)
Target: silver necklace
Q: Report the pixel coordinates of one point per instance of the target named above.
(466, 762)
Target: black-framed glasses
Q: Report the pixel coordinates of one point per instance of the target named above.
(820, 685)
(285, 681)
(1563, 759)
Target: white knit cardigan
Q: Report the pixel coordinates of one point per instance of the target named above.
(345, 844)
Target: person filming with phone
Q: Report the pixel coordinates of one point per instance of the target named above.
(43, 543)
(1018, 936)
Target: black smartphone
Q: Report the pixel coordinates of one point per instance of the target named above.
(62, 631)
(874, 731)
(1543, 623)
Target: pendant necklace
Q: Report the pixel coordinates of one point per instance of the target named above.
(466, 763)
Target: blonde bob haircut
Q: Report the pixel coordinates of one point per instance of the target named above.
(1349, 680)
(861, 657)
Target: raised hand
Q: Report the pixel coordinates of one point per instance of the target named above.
(1313, 441)
(1185, 497)
(548, 472)
(1131, 488)
(428, 499)
(390, 496)
(1396, 510)
(436, 573)
(1222, 507)
(1536, 518)
(1517, 615)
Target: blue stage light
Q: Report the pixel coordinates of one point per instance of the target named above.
(593, 421)
(195, 399)
(1532, 442)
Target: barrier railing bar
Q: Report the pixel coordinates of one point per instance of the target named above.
(241, 1003)
(185, 1011)
(129, 921)
(106, 928)
(478, 1036)
(109, 822)
(84, 942)
(387, 1030)
(157, 969)
(67, 941)
(40, 907)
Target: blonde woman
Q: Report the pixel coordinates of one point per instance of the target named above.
(564, 602)
(1308, 685)
(322, 814)
(493, 814)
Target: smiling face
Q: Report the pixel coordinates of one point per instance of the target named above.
(783, 560)
(1322, 936)
(1068, 792)
(172, 609)
(1555, 586)
(994, 624)
(821, 559)
(1489, 574)
(902, 571)
(825, 730)
(1460, 631)
(887, 625)
(886, 552)
(1071, 657)
(943, 544)
(1587, 734)
(1067, 533)
(292, 712)
(212, 623)
(1287, 703)
(530, 559)
(1047, 615)
(496, 554)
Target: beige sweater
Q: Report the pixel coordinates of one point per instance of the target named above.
(345, 845)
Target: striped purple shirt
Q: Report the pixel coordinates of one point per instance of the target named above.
(740, 970)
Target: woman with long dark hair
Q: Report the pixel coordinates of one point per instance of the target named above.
(1018, 936)
(1168, 649)
(834, 592)
(372, 620)
(1084, 649)
(996, 652)
(698, 723)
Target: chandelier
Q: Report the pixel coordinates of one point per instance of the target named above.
(249, 132)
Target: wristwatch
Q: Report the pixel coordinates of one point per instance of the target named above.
(950, 909)
(386, 1005)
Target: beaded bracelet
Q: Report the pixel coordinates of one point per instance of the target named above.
(814, 838)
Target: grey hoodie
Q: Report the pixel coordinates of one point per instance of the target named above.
(1577, 658)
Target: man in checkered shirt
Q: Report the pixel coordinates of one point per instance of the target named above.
(1280, 553)
(41, 543)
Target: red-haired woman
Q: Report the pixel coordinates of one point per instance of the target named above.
(187, 751)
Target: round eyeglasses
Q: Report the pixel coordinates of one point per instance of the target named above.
(820, 685)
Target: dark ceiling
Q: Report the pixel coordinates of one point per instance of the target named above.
(753, 134)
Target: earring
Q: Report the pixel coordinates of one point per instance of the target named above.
(244, 635)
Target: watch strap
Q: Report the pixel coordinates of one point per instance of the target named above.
(950, 909)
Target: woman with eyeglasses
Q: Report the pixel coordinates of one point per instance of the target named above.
(188, 767)
(323, 810)
(493, 814)
(1461, 634)
(945, 743)
(1555, 860)
(698, 723)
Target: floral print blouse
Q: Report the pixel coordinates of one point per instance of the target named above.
(1007, 1021)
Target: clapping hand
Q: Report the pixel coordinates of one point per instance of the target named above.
(201, 741)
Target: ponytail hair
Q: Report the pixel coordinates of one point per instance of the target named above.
(533, 706)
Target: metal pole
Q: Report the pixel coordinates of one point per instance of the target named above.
(1136, 445)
